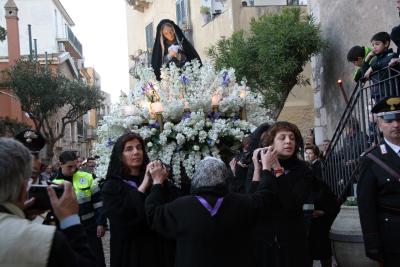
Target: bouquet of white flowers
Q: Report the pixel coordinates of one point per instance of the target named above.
(191, 113)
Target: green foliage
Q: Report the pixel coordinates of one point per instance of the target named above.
(273, 56)
(43, 93)
(10, 127)
(204, 9)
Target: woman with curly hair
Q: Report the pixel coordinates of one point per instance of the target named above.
(281, 236)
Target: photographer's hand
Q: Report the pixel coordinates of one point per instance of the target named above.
(147, 181)
(257, 165)
(268, 158)
(66, 205)
(158, 172)
(232, 164)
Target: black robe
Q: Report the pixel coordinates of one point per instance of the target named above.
(280, 236)
(157, 54)
(203, 240)
(132, 243)
(318, 238)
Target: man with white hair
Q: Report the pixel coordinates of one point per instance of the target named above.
(212, 227)
(24, 243)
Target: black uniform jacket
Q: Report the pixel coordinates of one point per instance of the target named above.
(378, 195)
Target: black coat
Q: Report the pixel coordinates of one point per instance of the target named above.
(132, 243)
(378, 197)
(318, 238)
(203, 240)
(70, 247)
(280, 234)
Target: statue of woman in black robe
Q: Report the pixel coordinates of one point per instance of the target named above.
(171, 46)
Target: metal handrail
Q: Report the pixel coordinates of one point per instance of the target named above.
(357, 130)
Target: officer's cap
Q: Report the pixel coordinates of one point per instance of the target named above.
(33, 140)
(388, 108)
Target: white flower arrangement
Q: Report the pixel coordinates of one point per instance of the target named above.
(191, 113)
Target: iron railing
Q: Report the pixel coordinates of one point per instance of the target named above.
(74, 40)
(357, 130)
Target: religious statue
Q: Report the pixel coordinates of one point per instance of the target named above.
(171, 46)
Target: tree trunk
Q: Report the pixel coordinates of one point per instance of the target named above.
(49, 151)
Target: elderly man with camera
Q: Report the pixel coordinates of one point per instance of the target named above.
(24, 243)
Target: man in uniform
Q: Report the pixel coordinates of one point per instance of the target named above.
(379, 188)
(89, 199)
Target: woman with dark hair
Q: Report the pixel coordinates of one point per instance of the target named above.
(281, 236)
(132, 243)
(171, 46)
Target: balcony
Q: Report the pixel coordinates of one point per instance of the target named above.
(139, 5)
(71, 43)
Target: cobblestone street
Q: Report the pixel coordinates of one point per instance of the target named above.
(106, 247)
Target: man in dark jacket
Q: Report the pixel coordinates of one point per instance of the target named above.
(211, 226)
(379, 188)
(24, 243)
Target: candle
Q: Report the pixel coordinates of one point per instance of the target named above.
(156, 107)
(242, 93)
(215, 100)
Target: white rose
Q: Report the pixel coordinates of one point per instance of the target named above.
(149, 144)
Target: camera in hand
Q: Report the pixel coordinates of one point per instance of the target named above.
(42, 200)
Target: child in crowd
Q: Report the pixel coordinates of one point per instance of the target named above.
(376, 72)
(360, 56)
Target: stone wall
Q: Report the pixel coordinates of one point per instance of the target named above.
(344, 24)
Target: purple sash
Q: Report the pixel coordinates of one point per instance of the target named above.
(212, 210)
(130, 183)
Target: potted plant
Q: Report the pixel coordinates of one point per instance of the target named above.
(205, 12)
(346, 237)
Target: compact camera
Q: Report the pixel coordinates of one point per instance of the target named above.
(42, 200)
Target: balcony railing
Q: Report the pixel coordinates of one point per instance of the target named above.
(356, 131)
(139, 5)
(71, 43)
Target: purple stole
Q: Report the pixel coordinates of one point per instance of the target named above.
(131, 183)
(205, 204)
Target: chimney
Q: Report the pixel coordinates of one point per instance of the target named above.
(12, 31)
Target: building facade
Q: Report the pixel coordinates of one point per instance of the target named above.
(41, 29)
(224, 18)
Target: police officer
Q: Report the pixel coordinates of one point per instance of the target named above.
(89, 199)
(35, 142)
(379, 188)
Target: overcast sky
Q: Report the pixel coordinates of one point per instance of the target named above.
(100, 25)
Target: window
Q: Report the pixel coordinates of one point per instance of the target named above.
(181, 14)
(293, 2)
(149, 41)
